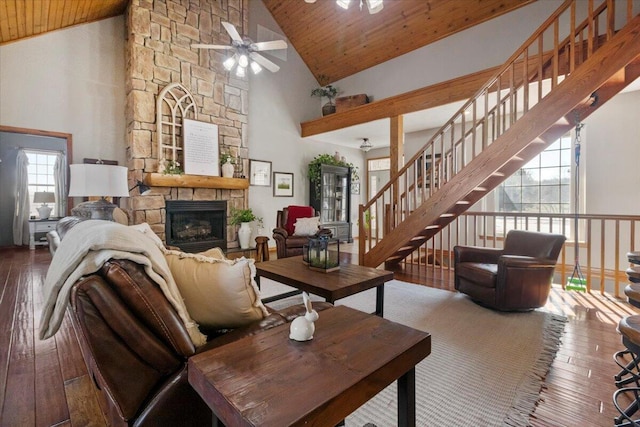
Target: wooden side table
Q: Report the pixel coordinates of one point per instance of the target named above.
(263, 248)
(259, 253)
(40, 226)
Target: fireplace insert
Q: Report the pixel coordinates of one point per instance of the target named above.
(195, 226)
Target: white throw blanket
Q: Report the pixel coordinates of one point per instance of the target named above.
(85, 248)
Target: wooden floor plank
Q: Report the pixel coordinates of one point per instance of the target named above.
(51, 408)
(83, 404)
(8, 280)
(19, 407)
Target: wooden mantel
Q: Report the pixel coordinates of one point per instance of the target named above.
(195, 181)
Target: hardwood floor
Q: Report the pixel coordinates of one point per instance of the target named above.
(45, 383)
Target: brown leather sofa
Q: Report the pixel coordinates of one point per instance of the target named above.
(515, 278)
(287, 244)
(136, 347)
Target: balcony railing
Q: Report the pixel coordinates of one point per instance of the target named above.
(603, 242)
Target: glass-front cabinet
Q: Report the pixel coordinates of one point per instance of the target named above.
(333, 200)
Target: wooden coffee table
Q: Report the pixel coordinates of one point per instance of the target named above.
(269, 380)
(349, 280)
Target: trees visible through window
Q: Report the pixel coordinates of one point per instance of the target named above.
(41, 177)
(543, 185)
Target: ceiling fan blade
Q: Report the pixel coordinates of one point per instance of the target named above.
(264, 62)
(233, 33)
(211, 46)
(272, 45)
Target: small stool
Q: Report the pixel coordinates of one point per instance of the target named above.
(629, 329)
(262, 249)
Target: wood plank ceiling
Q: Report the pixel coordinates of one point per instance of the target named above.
(333, 42)
(336, 43)
(21, 19)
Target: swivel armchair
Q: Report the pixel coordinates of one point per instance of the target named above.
(515, 278)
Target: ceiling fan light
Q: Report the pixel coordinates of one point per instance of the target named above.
(243, 60)
(229, 63)
(255, 67)
(241, 71)
(374, 6)
(343, 3)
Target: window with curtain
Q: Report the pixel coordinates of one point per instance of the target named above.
(41, 177)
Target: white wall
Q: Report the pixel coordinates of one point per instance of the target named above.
(611, 147)
(70, 81)
(278, 103)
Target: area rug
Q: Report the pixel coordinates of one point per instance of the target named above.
(486, 368)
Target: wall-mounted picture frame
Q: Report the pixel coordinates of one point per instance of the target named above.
(260, 173)
(355, 187)
(282, 184)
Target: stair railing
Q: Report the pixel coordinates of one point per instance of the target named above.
(564, 41)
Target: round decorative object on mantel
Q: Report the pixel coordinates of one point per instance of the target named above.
(244, 234)
(227, 170)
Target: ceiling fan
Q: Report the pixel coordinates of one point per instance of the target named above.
(246, 52)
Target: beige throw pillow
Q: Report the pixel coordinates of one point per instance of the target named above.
(218, 293)
(306, 226)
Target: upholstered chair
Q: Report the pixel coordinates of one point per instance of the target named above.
(515, 278)
(287, 242)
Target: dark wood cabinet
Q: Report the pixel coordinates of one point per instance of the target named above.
(333, 200)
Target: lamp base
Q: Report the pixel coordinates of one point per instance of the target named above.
(44, 211)
(100, 209)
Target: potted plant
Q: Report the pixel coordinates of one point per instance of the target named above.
(226, 165)
(315, 167)
(330, 92)
(243, 217)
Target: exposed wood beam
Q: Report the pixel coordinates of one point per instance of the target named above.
(457, 89)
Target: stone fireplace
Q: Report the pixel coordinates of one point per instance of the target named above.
(195, 226)
(159, 53)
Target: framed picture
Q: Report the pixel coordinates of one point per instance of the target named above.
(282, 184)
(259, 173)
(355, 187)
(200, 145)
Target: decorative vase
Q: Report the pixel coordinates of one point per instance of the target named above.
(227, 170)
(244, 235)
(328, 108)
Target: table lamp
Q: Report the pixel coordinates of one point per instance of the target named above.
(44, 197)
(97, 180)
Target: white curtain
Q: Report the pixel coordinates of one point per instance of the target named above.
(60, 176)
(21, 214)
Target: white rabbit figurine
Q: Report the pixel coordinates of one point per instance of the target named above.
(302, 327)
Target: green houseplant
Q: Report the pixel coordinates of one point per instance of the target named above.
(243, 217)
(238, 216)
(329, 92)
(315, 168)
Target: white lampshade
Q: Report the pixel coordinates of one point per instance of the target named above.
(44, 197)
(98, 180)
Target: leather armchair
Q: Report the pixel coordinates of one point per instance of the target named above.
(515, 278)
(287, 244)
(136, 347)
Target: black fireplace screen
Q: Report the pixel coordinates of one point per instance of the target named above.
(195, 226)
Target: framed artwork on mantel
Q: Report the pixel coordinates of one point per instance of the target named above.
(282, 184)
(200, 144)
(259, 173)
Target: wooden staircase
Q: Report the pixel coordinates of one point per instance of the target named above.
(554, 81)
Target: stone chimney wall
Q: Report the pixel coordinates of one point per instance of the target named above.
(158, 52)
